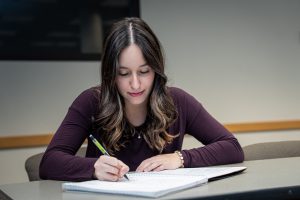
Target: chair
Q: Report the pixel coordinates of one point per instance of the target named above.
(269, 150)
(32, 164)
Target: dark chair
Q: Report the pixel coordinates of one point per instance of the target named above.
(269, 150)
(33, 162)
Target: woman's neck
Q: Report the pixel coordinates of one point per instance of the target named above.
(136, 115)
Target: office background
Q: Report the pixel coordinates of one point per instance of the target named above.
(241, 59)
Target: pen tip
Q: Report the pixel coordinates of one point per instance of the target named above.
(126, 177)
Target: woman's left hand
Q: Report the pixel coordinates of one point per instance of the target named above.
(160, 162)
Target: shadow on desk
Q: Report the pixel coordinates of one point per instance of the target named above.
(286, 193)
(4, 196)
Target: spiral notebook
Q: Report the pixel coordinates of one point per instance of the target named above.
(153, 184)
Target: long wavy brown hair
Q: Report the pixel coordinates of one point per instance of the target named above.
(161, 113)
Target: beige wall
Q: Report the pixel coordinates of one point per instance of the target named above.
(36, 95)
(239, 58)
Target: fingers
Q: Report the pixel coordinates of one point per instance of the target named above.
(159, 168)
(151, 164)
(109, 168)
(109, 177)
(123, 169)
(160, 162)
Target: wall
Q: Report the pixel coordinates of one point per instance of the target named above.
(239, 58)
(36, 95)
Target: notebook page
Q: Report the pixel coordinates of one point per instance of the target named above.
(140, 184)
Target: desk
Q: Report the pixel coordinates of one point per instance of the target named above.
(263, 179)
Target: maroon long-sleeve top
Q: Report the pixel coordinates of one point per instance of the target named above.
(60, 163)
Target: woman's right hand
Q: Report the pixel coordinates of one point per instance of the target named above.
(109, 168)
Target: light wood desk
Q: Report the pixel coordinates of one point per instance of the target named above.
(263, 179)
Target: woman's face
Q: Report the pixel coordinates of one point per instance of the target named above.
(134, 76)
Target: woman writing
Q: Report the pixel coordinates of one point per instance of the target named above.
(138, 119)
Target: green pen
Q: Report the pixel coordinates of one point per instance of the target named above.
(101, 148)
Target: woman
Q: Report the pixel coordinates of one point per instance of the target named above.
(138, 119)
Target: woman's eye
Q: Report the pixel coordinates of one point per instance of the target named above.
(123, 73)
(144, 72)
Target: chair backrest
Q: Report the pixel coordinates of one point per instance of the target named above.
(269, 150)
(32, 164)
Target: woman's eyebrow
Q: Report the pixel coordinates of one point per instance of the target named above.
(123, 67)
(144, 65)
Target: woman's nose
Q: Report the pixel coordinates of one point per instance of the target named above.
(135, 82)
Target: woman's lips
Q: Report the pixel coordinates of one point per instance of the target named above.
(135, 94)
